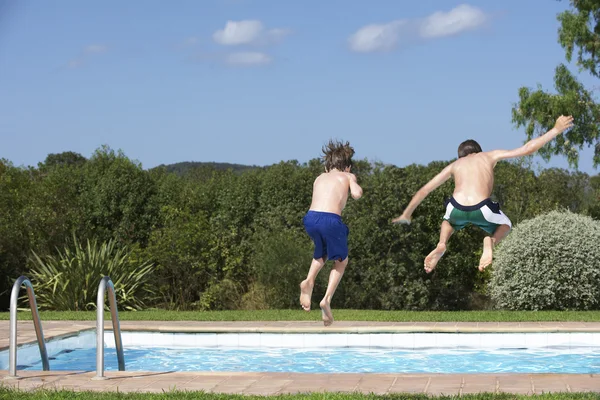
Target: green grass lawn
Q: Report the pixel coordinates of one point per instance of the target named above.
(69, 395)
(315, 315)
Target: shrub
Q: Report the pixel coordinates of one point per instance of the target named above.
(281, 262)
(224, 295)
(69, 281)
(182, 249)
(257, 298)
(551, 262)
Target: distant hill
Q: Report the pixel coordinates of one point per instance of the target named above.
(182, 168)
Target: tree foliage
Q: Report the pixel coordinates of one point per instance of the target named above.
(537, 110)
(219, 239)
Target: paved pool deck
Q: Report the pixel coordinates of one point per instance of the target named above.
(278, 383)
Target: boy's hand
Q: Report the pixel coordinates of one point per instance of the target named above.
(402, 220)
(563, 123)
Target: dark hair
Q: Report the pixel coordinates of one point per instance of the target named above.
(337, 155)
(468, 147)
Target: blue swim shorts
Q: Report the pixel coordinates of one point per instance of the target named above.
(329, 234)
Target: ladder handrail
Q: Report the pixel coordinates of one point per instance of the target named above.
(14, 297)
(107, 284)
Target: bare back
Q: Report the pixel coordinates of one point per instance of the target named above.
(330, 191)
(473, 178)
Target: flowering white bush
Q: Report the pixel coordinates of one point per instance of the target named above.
(551, 262)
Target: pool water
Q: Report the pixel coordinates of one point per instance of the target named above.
(342, 360)
(325, 353)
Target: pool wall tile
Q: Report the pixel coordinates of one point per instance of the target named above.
(491, 340)
(557, 339)
(270, 340)
(468, 340)
(249, 340)
(109, 340)
(380, 340)
(311, 340)
(512, 341)
(228, 340)
(183, 339)
(536, 340)
(357, 340)
(336, 340)
(423, 340)
(446, 340)
(164, 340)
(403, 341)
(292, 340)
(581, 339)
(206, 340)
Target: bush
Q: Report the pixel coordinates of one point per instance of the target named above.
(281, 262)
(551, 262)
(257, 298)
(224, 295)
(69, 281)
(182, 250)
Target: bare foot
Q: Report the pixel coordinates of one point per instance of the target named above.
(305, 294)
(432, 259)
(326, 313)
(488, 250)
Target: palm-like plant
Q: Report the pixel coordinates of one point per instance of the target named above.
(69, 280)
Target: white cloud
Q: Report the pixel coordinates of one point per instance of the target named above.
(248, 32)
(376, 37)
(248, 58)
(385, 37)
(460, 19)
(242, 32)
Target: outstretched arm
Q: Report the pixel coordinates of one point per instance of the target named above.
(562, 124)
(433, 184)
(355, 190)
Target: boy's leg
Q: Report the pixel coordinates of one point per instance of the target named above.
(488, 245)
(432, 259)
(306, 286)
(335, 276)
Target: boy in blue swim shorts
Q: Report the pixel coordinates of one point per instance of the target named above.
(324, 224)
(470, 203)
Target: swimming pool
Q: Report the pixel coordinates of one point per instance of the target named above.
(327, 353)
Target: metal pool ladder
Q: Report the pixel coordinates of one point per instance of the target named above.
(12, 355)
(106, 284)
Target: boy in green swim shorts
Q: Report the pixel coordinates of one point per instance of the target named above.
(470, 203)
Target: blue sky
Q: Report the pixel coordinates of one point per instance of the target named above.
(259, 81)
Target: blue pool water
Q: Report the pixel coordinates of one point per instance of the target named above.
(340, 360)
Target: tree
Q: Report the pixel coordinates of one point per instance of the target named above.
(15, 193)
(594, 207)
(537, 109)
(64, 158)
(118, 198)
